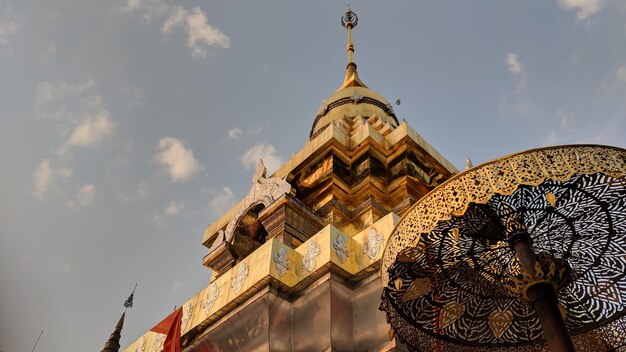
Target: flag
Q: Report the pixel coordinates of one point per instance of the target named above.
(171, 327)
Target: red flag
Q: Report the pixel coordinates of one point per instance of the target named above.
(171, 327)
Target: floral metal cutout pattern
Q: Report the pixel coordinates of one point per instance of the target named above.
(572, 200)
(372, 246)
(339, 244)
(312, 251)
(210, 299)
(281, 261)
(242, 274)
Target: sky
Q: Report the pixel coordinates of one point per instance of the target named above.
(128, 126)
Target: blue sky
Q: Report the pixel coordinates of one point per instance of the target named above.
(126, 127)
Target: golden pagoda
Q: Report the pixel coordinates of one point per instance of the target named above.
(295, 264)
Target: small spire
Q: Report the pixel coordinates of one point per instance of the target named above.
(113, 345)
(468, 164)
(349, 20)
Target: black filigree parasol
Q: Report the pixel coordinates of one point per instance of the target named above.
(517, 254)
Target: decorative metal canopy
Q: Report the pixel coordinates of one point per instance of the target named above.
(465, 268)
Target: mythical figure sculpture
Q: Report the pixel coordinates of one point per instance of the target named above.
(265, 190)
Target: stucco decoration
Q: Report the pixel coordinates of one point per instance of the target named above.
(281, 261)
(186, 317)
(341, 249)
(265, 190)
(141, 345)
(374, 241)
(157, 345)
(312, 251)
(211, 297)
(242, 273)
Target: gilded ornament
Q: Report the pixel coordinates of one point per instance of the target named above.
(551, 199)
(412, 254)
(499, 322)
(450, 313)
(418, 288)
(398, 284)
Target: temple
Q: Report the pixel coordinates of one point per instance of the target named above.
(295, 264)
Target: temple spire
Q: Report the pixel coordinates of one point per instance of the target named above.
(349, 20)
(113, 345)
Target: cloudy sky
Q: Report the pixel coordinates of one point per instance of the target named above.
(128, 126)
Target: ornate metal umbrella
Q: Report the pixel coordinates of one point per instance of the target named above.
(516, 254)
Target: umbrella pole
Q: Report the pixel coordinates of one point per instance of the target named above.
(542, 297)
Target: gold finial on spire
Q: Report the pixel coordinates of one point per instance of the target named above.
(349, 20)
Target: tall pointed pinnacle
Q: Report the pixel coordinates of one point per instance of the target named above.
(113, 344)
(349, 20)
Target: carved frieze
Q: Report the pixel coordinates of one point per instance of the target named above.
(312, 251)
(210, 299)
(372, 246)
(342, 251)
(281, 261)
(242, 273)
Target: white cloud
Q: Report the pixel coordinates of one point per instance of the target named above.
(8, 29)
(265, 151)
(584, 8)
(129, 6)
(48, 92)
(222, 201)
(175, 18)
(177, 159)
(513, 63)
(200, 34)
(8, 24)
(174, 208)
(45, 176)
(91, 131)
(515, 66)
(86, 194)
(234, 133)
